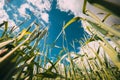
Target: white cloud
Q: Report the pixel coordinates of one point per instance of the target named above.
(22, 9)
(15, 15)
(3, 14)
(5, 17)
(38, 7)
(70, 5)
(41, 4)
(2, 4)
(45, 17)
(90, 47)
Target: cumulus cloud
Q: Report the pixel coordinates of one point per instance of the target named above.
(3, 14)
(5, 17)
(74, 6)
(38, 7)
(90, 48)
(45, 17)
(22, 9)
(41, 4)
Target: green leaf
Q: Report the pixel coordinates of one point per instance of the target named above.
(98, 51)
(84, 6)
(2, 24)
(5, 29)
(98, 28)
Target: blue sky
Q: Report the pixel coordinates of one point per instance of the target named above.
(73, 32)
(51, 13)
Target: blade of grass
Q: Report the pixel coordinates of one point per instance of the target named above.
(106, 17)
(2, 24)
(6, 43)
(102, 25)
(12, 51)
(5, 29)
(84, 6)
(70, 22)
(111, 54)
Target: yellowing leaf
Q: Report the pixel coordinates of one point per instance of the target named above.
(23, 33)
(71, 21)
